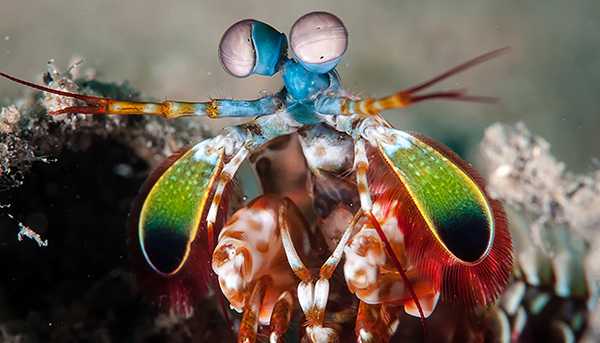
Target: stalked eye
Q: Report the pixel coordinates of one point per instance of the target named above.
(251, 47)
(236, 50)
(318, 40)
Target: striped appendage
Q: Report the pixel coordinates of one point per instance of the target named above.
(371, 106)
(213, 108)
(225, 176)
(314, 295)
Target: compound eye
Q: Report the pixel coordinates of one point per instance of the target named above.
(252, 47)
(318, 41)
(236, 50)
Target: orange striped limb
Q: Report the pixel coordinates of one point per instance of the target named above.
(228, 172)
(281, 316)
(294, 260)
(313, 296)
(249, 323)
(375, 323)
(335, 105)
(214, 108)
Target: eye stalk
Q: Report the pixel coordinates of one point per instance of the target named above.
(252, 47)
(318, 40)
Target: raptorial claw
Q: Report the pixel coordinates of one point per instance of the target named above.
(250, 251)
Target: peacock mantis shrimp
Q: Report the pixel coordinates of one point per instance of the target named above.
(424, 229)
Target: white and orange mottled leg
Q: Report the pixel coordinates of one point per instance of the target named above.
(249, 323)
(374, 280)
(313, 296)
(371, 275)
(281, 316)
(229, 170)
(375, 323)
(250, 249)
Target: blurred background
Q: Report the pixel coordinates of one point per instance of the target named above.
(169, 50)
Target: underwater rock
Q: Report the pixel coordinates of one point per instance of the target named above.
(554, 217)
(73, 179)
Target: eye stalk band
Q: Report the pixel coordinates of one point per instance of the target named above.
(252, 47)
(270, 47)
